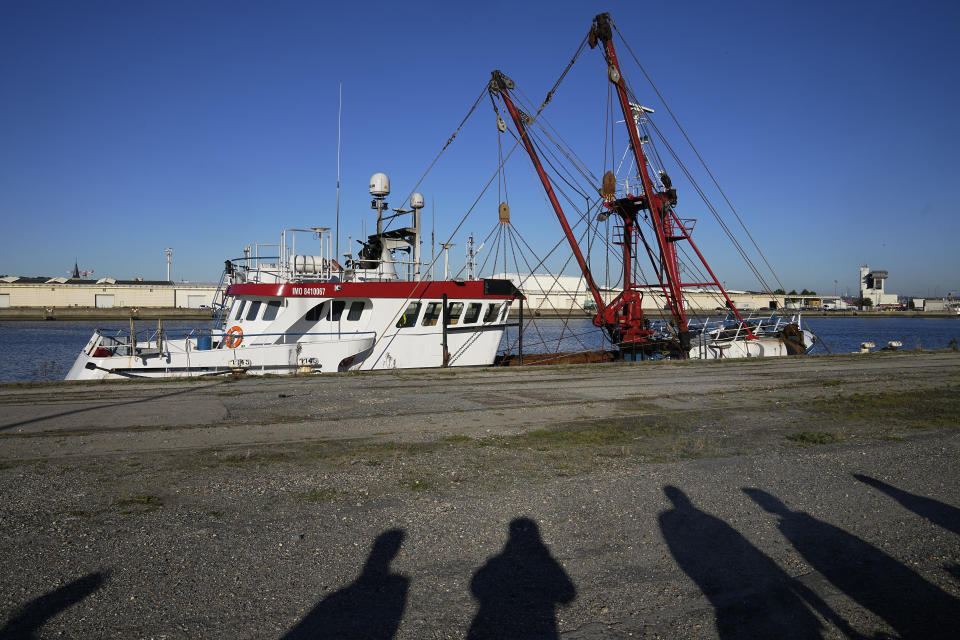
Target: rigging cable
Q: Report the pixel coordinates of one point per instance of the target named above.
(702, 161)
(444, 148)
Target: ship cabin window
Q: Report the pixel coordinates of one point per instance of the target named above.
(254, 310)
(356, 308)
(491, 314)
(240, 310)
(473, 313)
(453, 312)
(504, 308)
(270, 313)
(338, 307)
(317, 312)
(409, 317)
(432, 314)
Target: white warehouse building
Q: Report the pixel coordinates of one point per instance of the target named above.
(104, 293)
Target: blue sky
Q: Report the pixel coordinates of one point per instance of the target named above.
(127, 127)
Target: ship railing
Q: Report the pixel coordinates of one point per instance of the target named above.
(120, 345)
(285, 337)
(273, 269)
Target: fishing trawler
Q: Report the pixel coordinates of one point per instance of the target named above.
(296, 312)
(305, 313)
(643, 207)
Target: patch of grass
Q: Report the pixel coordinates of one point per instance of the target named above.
(835, 382)
(257, 458)
(594, 434)
(144, 499)
(416, 484)
(456, 438)
(915, 409)
(139, 504)
(319, 495)
(807, 438)
(637, 403)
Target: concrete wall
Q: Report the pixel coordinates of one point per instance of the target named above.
(85, 295)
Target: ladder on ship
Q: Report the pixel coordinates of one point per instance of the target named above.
(219, 305)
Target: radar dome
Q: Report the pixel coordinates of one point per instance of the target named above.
(379, 184)
(416, 201)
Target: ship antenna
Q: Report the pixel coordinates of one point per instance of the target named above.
(336, 234)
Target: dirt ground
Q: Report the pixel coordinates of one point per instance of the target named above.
(801, 497)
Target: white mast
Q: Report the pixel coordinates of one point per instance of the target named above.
(470, 257)
(446, 258)
(337, 231)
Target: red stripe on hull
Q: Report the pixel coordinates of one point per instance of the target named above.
(472, 289)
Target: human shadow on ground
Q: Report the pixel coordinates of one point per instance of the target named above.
(106, 405)
(28, 620)
(519, 589)
(908, 603)
(753, 597)
(369, 608)
(933, 510)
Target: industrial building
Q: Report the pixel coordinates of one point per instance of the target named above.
(104, 293)
(871, 288)
(545, 292)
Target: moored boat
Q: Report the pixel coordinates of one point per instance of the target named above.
(305, 313)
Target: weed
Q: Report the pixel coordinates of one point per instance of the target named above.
(456, 438)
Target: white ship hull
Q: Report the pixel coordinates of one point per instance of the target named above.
(303, 337)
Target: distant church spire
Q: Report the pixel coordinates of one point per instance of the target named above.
(76, 269)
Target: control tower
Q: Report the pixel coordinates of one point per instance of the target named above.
(871, 287)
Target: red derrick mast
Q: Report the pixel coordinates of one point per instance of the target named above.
(623, 317)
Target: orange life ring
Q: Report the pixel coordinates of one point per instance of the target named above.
(234, 337)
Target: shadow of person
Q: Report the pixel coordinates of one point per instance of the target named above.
(908, 603)
(933, 510)
(520, 589)
(29, 619)
(369, 608)
(752, 595)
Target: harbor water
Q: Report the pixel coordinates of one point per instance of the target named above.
(38, 351)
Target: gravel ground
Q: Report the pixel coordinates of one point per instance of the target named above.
(810, 497)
